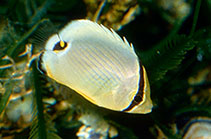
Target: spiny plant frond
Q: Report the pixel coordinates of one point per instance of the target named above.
(16, 48)
(170, 52)
(41, 126)
(4, 99)
(166, 56)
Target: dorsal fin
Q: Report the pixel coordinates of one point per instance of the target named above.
(87, 27)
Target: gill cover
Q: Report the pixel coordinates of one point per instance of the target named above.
(99, 65)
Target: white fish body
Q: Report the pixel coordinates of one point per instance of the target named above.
(99, 65)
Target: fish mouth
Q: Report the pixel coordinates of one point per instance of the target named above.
(40, 65)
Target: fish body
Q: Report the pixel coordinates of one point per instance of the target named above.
(99, 65)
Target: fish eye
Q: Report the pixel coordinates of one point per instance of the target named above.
(61, 45)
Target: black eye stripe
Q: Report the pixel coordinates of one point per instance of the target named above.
(59, 47)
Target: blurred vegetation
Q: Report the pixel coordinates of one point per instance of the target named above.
(172, 39)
